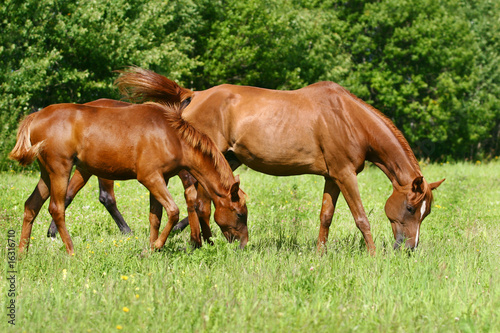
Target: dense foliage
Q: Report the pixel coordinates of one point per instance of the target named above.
(431, 66)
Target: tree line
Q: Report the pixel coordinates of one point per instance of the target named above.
(431, 66)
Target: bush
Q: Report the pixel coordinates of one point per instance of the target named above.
(432, 67)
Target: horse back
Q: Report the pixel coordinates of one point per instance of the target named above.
(282, 132)
(108, 142)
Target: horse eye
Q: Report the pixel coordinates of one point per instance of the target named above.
(411, 209)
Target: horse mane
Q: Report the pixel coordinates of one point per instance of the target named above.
(198, 140)
(397, 133)
(141, 85)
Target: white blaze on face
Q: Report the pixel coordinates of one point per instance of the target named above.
(422, 209)
(422, 212)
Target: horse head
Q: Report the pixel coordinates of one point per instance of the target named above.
(407, 207)
(231, 214)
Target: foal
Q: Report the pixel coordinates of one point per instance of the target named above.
(148, 142)
(107, 193)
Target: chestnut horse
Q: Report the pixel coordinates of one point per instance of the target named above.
(320, 129)
(107, 194)
(149, 142)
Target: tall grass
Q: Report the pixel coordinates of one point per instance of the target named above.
(278, 283)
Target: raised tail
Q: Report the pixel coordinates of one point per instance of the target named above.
(23, 151)
(141, 85)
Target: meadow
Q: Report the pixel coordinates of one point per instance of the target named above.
(278, 283)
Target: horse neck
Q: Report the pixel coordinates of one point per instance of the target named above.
(388, 149)
(395, 163)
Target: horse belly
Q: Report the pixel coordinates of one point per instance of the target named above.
(108, 162)
(280, 155)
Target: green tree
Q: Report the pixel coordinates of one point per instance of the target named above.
(430, 66)
(425, 64)
(54, 51)
(273, 44)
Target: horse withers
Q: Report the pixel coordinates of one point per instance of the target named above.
(149, 142)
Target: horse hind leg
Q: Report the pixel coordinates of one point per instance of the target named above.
(32, 207)
(181, 225)
(330, 195)
(108, 199)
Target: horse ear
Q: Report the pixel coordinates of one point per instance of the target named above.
(235, 188)
(417, 184)
(435, 185)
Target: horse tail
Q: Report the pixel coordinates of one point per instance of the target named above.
(23, 151)
(141, 85)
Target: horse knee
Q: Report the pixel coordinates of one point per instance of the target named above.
(326, 222)
(190, 196)
(173, 214)
(203, 209)
(326, 216)
(56, 211)
(363, 225)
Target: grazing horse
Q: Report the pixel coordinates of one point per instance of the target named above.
(320, 129)
(107, 194)
(149, 142)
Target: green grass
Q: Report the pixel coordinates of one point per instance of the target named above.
(278, 283)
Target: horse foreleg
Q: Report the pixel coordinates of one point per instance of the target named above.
(155, 215)
(188, 182)
(199, 206)
(349, 187)
(157, 186)
(194, 223)
(330, 196)
(204, 209)
(76, 183)
(107, 198)
(173, 217)
(32, 207)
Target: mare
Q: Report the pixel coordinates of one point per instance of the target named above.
(107, 194)
(320, 129)
(149, 142)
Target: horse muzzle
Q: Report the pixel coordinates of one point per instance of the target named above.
(241, 235)
(409, 243)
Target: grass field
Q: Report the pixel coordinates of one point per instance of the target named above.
(278, 283)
